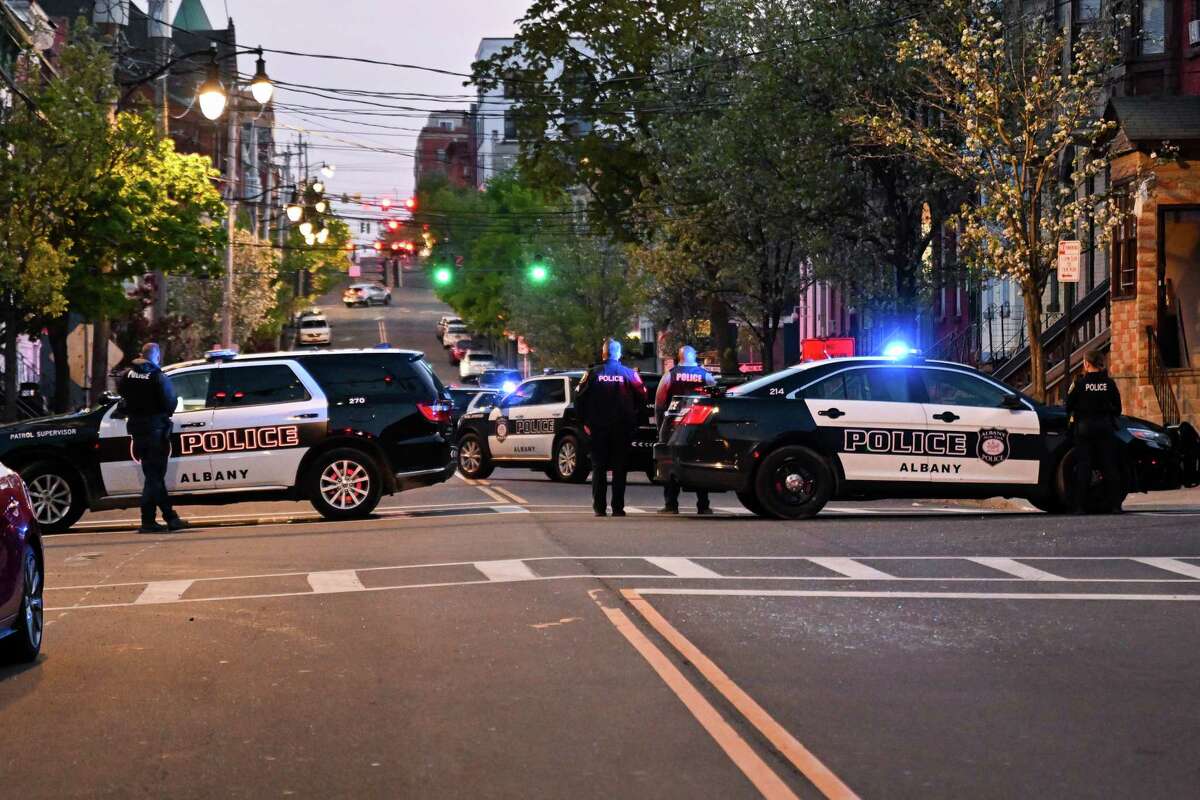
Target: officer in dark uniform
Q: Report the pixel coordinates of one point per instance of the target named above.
(1094, 404)
(611, 398)
(149, 402)
(686, 377)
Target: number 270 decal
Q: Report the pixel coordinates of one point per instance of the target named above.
(356, 401)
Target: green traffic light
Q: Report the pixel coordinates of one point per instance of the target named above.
(539, 273)
(442, 276)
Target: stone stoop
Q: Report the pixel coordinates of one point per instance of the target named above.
(1187, 392)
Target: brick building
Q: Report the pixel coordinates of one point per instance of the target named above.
(446, 146)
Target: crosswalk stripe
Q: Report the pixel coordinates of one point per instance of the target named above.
(342, 580)
(162, 592)
(1016, 569)
(1172, 565)
(850, 568)
(682, 567)
(506, 570)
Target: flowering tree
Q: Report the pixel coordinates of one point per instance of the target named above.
(997, 109)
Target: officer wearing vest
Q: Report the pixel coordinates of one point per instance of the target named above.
(149, 402)
(686, 377)
(1094, 404)
(611, 399)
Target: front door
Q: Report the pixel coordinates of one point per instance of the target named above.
(868, 416)
(533, 424)
(266, 418)
(991, 442)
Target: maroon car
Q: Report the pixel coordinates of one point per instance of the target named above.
(21, 570)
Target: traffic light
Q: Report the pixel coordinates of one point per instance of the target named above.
(538, 273)
(411, 204)
(442, 276)
(385, 203)
(393, 225)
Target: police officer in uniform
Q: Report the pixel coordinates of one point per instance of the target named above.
(686, 377)
(149, 402)
(611, 398)
(1094, 404)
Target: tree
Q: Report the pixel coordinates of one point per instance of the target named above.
(998, 111)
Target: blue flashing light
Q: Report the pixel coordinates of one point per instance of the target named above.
(897, 348)
(226, 354)
(508, 387)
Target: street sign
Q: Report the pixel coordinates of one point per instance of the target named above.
(1070, 255)
(355, 271)
(522, 346)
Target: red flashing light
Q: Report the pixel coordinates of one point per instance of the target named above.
(410, 203)
(385, 203)
(697, 415)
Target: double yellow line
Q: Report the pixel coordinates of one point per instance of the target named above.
(497, 493)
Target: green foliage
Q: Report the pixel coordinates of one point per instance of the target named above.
(323, 263)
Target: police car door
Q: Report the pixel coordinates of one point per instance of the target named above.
(534, 423)
(1001, 444)
(267, 417)
(502, 438)
(867, 415)
(122, 473)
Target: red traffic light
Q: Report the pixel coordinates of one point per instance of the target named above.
(395, 245)
(385, 203)
(393, 225)
(410, 203)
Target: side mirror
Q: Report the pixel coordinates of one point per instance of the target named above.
(1012, 402)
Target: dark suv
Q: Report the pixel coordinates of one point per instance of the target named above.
(339, 428)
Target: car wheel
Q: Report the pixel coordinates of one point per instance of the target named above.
(1097, 499)
(25, 642)
(1051, 505)
(56, 494)
(349, 305)
(473, 461)
(569, 464)
(793, 483)
(344, 484)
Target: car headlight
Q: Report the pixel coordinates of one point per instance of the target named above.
(1147, 435)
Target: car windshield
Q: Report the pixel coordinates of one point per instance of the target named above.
(314, 323)
(480, 357)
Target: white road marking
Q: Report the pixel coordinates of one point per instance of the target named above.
(162, 592)
(1169, 598)
(509, 570)
(851, 568)
(840, 510)
(1016, 568)
(342, 580)
(510, 509)
(681, 567)
(1173, 565)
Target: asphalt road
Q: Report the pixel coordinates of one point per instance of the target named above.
(493, 639)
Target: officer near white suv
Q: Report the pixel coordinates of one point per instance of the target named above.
(149, 402)
(686, 377)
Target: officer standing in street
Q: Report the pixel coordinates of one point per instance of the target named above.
(686, 377)
(1094, 404)
(149, 402)
(611, 398)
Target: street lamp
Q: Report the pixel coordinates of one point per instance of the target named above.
(260, 85)
(327, 170)
(306, 228)
(318, 187)
(211, 93)
(320, 206)
(322, 235)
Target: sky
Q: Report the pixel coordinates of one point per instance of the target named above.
(440, 33)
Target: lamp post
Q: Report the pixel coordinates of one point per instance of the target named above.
(214, 101)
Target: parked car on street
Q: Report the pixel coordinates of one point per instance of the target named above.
(475, 362)
(339, 428)
(455, 332)
(873, 428)
(447, 319)
(458, 349)
(366, 294)
(22, 572)
(315, 330)
(463, 397)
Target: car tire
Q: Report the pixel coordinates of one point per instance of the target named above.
(568, 464)
(749, 501)
(56, 494)
(1052, 504)
(793, 483)
(1097, 499)
(344, 483)
(473, 460)
(25, 642)
(349, 305)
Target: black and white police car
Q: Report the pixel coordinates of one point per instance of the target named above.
(870, 428)
(535, 426)
(339, 428)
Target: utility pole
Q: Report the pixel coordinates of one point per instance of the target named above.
(159, 11)
(231, 176)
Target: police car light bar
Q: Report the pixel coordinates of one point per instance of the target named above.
(226, 354)
(899, 349)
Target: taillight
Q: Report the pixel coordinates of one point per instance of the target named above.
(697, 415)
(435, 412)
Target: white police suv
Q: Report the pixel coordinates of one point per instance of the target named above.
(339, 428)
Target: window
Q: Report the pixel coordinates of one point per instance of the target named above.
(873, 384)
(1123, 252)
(510, 126)
(945, 387)
(1087, 10)
(261, 384)
(521, 396)
(549, 392)
(376, 379)
(1152, 30)
(313, 323)
(191, 389)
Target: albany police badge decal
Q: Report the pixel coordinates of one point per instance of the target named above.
(501, 430)
(993, 445)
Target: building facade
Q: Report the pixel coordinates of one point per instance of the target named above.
(446, 146)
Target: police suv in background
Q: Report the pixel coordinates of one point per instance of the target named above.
(339, 428)
(536, 426)
(869, 428)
